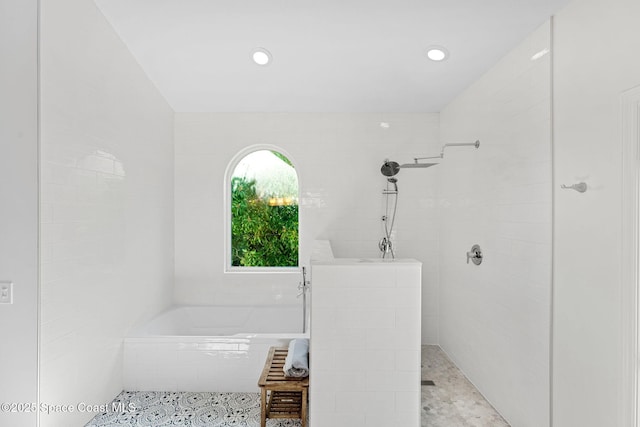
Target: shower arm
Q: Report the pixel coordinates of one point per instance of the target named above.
(441, 156)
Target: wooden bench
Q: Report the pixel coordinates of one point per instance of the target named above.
(280, 396)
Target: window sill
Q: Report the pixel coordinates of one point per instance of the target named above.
(263, 270)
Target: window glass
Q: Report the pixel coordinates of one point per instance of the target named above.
(264, 211)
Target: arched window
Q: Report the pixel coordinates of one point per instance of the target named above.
(263, 226)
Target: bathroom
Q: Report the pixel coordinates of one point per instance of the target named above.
(538, 327)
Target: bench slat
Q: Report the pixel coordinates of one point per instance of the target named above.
(282, 397)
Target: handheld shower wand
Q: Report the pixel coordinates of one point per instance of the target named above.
(389, 169)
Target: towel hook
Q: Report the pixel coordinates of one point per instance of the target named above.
(580, 187)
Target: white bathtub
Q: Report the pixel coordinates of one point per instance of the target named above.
(207, 348)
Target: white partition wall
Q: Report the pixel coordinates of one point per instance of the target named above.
(365, 343)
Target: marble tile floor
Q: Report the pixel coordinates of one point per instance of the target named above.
(452, 401)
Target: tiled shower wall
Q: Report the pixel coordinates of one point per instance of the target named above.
(338, 159)
(106, 206)
(495, 318)
(365, 344)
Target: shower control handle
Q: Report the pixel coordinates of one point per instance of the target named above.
(475, 255)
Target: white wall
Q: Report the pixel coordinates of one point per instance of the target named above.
(19, 211)
(596, 45)
(338, 158)
(495, 318)
(107, 205)
(365, 344)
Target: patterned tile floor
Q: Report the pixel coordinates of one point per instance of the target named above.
(452, 402)
(155, 409)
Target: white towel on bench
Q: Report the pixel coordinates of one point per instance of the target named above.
(297, 362)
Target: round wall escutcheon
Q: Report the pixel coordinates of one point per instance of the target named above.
(475, 255)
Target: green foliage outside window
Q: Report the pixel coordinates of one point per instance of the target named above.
(264, 228)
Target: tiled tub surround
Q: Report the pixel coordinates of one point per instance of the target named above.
(365, 343)
(207, 348)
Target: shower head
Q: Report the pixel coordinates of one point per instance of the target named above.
(393, 181)
(416, 165)
(390, 168)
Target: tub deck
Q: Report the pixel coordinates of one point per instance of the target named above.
(199, 348)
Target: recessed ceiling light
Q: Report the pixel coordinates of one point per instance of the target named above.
(261, 56)
(437, 53)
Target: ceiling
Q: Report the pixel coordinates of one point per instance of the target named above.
(328, 55)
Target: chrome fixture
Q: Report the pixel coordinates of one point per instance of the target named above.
(580, 187)
(416, 164)
(389, 169)
(385, 246)
(393, 181)
(475, 255)
(303, 287)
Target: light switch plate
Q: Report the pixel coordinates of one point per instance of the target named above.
(6, 292)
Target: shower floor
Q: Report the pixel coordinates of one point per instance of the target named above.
(452, 401)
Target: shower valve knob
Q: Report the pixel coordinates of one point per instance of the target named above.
(475, 255)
